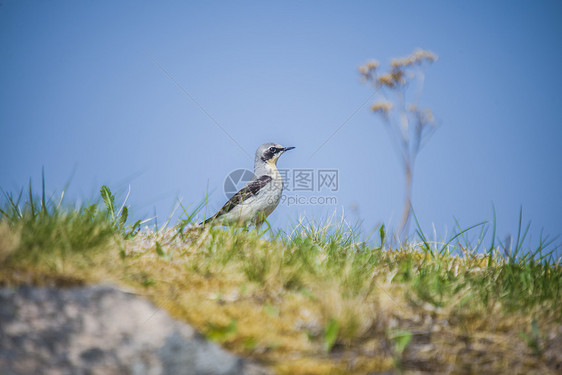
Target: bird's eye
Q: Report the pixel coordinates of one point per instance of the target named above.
(272, 149)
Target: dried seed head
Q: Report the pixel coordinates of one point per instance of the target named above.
(382, 107)
(386, 80)
(373, 64)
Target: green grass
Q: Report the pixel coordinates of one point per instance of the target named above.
(47, 230)
(318, 299)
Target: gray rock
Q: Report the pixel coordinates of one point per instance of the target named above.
(100, 330)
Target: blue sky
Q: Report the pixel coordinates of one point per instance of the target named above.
(83, 94)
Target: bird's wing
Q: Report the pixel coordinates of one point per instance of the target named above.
(251, 189)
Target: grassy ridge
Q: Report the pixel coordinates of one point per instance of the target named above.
(315, 301)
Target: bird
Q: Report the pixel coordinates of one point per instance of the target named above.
(260, 196)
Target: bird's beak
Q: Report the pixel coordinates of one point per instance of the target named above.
(288, 148)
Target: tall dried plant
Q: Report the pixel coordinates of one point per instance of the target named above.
(409, 125)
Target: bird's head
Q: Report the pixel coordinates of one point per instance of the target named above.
(268, 153)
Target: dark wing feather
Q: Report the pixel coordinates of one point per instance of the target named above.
(246, 192)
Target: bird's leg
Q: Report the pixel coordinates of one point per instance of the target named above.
(259, 223)
(258, 220)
